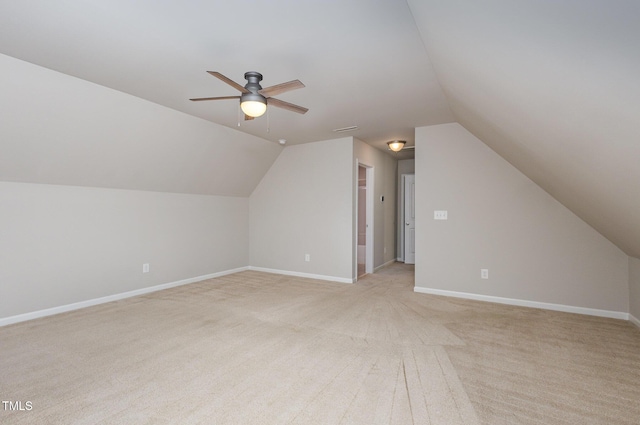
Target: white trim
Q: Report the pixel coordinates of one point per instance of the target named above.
(109, 298)
(401, 221)
(525, 303)
(403, 218)
(371, 218)
(388, 263)
(633, 320)
(300, 274)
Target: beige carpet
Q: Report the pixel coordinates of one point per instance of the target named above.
(256, 348)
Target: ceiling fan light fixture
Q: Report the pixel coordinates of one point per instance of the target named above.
(253, 100)
(396, 145)
(253, 105)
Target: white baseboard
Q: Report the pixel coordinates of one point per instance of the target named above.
(525, 303)
(388, 263)
(88, 303)
(634, 320)
(300, 274)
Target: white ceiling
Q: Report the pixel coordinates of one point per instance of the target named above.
(363, 63)
(551, 86)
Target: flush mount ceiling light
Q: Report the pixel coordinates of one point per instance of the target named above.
(396, 145)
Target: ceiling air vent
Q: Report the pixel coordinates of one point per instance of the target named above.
(345, 129)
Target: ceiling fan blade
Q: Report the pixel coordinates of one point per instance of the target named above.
(281, 88)
(247, 117)
(286, 105)
(198, 99)
(228, 81)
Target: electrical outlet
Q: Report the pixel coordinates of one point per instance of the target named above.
(307, 257)
(484, 273)
(145, 268)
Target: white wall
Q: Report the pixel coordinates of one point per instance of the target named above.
(534, 247)
(63, 244)
(634, 288)
(384, 212)
(303, 205)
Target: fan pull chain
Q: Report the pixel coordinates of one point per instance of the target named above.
(268, 122)
(238, 115)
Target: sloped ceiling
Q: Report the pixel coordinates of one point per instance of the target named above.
(553, 87)
(363, 63)
(58, 129)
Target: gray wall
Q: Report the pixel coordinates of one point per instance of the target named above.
(406, 166)
(58, 129)
(63, 244)
(534, 247)
(74, 243)
(303, 205)
(634, 288)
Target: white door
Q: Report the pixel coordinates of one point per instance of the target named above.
(410, 219)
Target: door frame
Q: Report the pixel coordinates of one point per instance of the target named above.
(401, 215)
(369, 241)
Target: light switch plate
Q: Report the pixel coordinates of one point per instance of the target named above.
(439, 215)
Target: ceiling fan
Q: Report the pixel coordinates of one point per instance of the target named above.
(254, 99)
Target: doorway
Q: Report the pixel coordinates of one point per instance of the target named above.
(364, 214)
(409, 218)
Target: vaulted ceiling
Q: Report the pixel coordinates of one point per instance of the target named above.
(554, 88)
(551, 86)
(363, 63)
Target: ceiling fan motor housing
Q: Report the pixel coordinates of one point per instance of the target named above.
(253, 85)
(253, 79)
